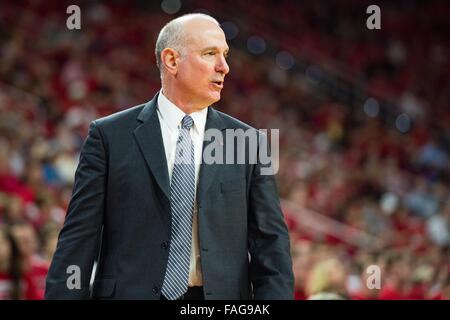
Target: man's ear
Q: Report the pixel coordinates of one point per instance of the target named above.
(169, 60)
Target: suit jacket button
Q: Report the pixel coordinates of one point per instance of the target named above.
(164, 245)
(155, 289)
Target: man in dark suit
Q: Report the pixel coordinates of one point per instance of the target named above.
(160, 222)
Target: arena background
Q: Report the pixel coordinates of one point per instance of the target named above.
(363, 114)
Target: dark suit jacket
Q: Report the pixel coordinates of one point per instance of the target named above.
(119, 214)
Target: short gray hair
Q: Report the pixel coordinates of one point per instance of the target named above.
(172, 35)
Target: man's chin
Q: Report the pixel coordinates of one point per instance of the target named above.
(214, 97)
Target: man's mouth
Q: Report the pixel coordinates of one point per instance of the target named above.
(218, 83)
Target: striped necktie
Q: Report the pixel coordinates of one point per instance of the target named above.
(182, 196)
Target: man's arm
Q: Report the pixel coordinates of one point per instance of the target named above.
(79, 238)
(271, 265)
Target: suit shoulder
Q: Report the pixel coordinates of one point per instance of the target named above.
(120, 117)
(233, 123)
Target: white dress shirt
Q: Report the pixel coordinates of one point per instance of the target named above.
(170, 117)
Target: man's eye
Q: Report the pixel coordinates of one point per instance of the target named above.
(210, 53)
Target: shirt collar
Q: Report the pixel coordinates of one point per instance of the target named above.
(173, 115)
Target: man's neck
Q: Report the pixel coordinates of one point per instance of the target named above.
(186, 105)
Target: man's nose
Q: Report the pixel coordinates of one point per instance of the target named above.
(222, 66)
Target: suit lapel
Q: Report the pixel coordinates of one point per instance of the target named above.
(208, 171)
(149, 138)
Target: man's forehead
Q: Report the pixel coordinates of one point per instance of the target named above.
(213, 38)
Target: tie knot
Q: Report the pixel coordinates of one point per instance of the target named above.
(187, 122)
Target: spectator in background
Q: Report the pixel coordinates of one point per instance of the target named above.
(326, 281)
(49, 236)
(34, 266)
(438, 226)
(15, 282)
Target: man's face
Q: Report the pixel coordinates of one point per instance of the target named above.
(202, 66)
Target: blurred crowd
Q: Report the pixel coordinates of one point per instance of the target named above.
(342, 153)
